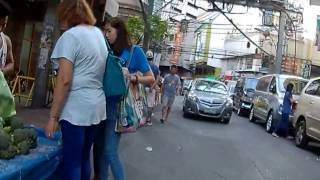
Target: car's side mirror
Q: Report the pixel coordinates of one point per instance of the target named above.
(186, 88)
(273, 89)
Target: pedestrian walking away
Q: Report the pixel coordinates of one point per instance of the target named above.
(152, 91)
(283, 125)
(79, 101)
(106, 144)
(169, 89)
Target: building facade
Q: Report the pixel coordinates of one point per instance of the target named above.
(27, 23)
(182, 18)
(236, 51)
(33, 28)
(130, 8)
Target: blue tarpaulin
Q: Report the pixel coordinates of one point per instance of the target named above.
(42, 163)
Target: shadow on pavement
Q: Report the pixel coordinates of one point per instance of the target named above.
(314, 147)
(205, 119)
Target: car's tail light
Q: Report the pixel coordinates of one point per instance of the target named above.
(294, 106)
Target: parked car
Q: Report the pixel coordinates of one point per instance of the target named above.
(244, 92)
(268, 98)
(307, 116)
(231, 87)
(208, 98)
(185, 86)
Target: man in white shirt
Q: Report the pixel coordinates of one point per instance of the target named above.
(6, 55)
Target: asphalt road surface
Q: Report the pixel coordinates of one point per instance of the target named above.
(203, 149)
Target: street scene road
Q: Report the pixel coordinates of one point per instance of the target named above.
(239, 80)
(203, 149)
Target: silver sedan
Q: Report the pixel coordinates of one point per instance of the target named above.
(208, 98)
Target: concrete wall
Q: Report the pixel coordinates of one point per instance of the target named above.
(314, 53)
(240, 63)
(129, 8)
(238, 44)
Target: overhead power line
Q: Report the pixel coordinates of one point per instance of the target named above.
(230, 20)
(158, 10)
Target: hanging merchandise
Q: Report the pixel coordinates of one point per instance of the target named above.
(7, 105)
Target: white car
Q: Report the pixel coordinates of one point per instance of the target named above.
(307, 116)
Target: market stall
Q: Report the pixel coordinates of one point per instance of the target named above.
(25, 152)
(42, 162)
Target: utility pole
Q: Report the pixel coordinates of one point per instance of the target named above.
(277, 66)
(41, 80)
(281, 39)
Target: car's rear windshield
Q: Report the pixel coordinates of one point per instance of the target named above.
(210, 86)
(298, 84)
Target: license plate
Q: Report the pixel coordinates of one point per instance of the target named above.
(210, 111)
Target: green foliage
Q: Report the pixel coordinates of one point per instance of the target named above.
(7, 129)
(1, 122)
(16, 124)
(29, 135)
(157, 27)
(4, 140)
(8, 153)
(23, 147)
(136, 27)
(10, 124)
(15, 139)
(7, 121)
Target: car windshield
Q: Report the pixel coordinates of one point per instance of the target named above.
(210, 86)
(299, 84)
(231, 85)
(250, 84)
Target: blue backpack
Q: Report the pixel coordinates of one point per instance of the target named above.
(114, 83)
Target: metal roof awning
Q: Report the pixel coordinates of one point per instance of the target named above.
(112, 8)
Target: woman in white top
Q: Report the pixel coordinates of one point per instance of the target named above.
(79, 101)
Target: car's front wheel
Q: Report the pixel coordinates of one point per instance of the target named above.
(301, 138)
(225, 118)
(185, 113)
(226, 121)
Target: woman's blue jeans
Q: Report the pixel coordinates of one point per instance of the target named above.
(77, 143)
(106, 145)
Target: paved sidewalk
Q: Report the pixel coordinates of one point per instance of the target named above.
(36, 117)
